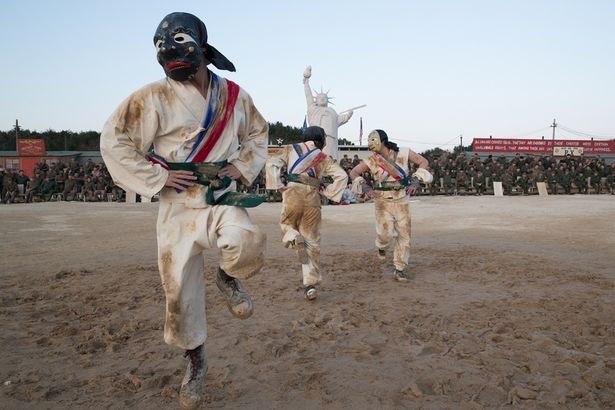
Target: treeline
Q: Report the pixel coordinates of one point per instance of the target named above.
(54, 140)
(89, 140)
(285, 134)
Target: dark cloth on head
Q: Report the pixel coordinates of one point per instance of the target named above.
(316, 134)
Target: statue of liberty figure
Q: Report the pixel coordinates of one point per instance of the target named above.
(319, 113)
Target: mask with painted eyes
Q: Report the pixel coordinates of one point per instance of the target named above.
(373, 141)
(181, 46)
(178, 47)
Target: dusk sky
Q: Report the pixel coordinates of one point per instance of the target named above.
(429, 71)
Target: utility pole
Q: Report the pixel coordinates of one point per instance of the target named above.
(16, 133)
(461, 142)
(553, 126)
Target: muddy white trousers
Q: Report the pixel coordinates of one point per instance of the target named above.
(393, 220)
(298, 219)
(183, 234)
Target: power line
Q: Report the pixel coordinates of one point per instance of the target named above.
(417, 142)
(563, 128)
(585, 134)
(570, 136)
(524, 134)
(428, 143)
(572, 132)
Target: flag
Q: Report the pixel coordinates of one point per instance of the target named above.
(304, 124)
(360, 131)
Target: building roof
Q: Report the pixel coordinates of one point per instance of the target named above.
(64, 153)
(54, 154)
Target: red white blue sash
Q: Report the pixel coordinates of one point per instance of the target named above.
(390, 168)
(222, 98)
(307, 161)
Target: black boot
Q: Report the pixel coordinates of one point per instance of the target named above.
(401, 276)
(191, 391)
(237, 297)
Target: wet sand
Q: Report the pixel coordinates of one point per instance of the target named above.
(511, 304)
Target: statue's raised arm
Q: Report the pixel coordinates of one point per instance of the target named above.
(309, 98)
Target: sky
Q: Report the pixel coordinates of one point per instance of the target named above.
(432, 73)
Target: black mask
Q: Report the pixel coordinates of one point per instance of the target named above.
(181, 43)
(178, 44)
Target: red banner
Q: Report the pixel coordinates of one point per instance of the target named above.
(31, 147)
(546, 146)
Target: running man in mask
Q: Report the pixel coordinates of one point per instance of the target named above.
(307, 164)
(206, 133)
(388, 166)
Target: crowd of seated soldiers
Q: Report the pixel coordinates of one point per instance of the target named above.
(60, 181)
(459, 173)
(464, 173)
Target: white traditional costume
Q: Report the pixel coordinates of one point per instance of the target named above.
(392, 183)
(206, 133)
(301, 214)
(392, 204)
(172, 116)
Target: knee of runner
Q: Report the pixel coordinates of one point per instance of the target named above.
(242, 251)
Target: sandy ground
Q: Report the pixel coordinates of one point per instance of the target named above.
(511, 304)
